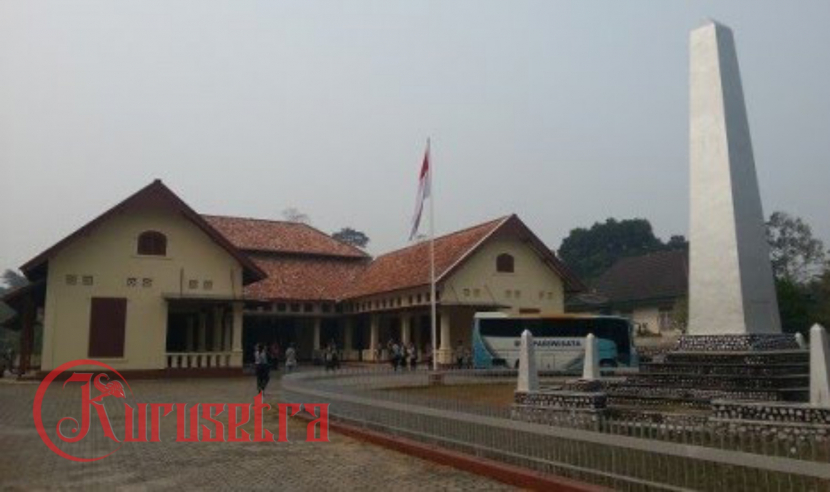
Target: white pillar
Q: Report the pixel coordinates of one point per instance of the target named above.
(590, 369)
(819, 367)
(406, 328)
(236, 357)
(190, 334)
(445, 350)
(799, 339)
(528, 376)
(731, 289)
(374, 335)
(317, 322)
(216, 346)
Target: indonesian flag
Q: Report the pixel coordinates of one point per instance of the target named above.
(424, 181)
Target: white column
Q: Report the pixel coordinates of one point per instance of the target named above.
(445, 350)
(236, 357)
(406, 328)
(216, 346)
(731, 289)
(819, 367)
(590, 368)
(374, 335)
(528, 376)
(190, 345)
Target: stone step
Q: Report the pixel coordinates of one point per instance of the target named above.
(719, 382)
(725, 369)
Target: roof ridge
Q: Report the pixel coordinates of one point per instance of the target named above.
(449, 234)
(274, 221)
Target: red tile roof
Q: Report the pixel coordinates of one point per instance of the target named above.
(303, 278)
(280, 237)
(409, 267)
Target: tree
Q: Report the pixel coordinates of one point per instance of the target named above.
(795, 254)
(677, 242)
(589, 252)
(293, 214)
(12, 280)
(351, 236)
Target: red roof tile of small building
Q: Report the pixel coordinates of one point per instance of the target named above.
(409, 267)
(303, 278)
(280, 237)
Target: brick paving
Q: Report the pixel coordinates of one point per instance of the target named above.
(343, 464)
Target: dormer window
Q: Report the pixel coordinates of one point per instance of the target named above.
(504, 263)
(152, 243)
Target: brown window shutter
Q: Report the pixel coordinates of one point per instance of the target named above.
(107, 324)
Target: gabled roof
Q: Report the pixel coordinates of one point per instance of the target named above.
(303, 278)
(154, 194)
(410, 267)
(281, 237)
(654, 276)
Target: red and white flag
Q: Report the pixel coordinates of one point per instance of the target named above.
(424, 183)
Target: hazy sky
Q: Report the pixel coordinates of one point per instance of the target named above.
(563, 112)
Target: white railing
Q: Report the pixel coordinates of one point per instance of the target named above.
(198, 360)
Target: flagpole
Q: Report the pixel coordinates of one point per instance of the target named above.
(433, 309)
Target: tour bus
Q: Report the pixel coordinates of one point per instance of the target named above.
(558, 340)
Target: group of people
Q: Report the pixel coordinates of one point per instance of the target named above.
(267, 359)
(402, 355)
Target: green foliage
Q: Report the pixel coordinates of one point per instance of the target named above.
(795, 305)
(795, 254)
(589, 252)
(11, 280)
(351, 236)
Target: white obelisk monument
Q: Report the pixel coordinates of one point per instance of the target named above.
(731, 290)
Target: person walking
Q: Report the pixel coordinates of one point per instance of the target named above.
(262, 368)
(274, 355)
(412, 353)
(459, 355)
(290, 358)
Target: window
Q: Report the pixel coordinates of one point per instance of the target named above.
(308, 308)
(87, 280)
(504, 263)
(107, 321)
(193, 284)
(71, 279)
(132, 282)
(207, 285)
(147, 282)
(152, 243)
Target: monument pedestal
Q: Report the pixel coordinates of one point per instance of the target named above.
(706, 367)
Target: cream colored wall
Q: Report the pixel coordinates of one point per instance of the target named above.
(537, 285)
(647, 318)
(108, 254)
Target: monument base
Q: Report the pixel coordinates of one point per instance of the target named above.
(702, 368)
(731, 343)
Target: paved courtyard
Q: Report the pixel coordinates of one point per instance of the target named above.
(343, 464)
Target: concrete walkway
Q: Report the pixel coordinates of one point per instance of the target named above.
(343, 464)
